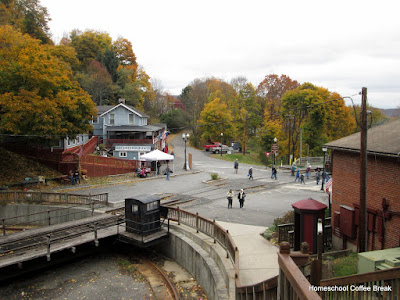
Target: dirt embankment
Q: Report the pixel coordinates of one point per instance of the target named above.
(15, 168)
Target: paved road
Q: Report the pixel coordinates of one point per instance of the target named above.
(266, 198)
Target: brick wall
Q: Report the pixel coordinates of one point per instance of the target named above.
(383, 181)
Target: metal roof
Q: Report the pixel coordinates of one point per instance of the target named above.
(145, 198)
(309, 204)
(383, 140)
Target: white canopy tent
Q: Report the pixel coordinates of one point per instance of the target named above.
(158, 155)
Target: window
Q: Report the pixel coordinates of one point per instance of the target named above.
(130, 119)
(152, 206)
(135, 208)
(112, 119)
(123, 154)
(95, 120)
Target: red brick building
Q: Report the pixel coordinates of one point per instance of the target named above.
(383, 188)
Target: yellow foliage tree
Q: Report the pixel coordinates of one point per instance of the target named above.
(214, 120)
(37, 95)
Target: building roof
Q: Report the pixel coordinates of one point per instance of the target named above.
(103, 109)
(145, 198)
(134, 128)
(309, 204)
(383, 140)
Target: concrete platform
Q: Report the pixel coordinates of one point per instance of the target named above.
(258, 259)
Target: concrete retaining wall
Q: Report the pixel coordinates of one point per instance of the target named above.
(58, 214)
(203, 259)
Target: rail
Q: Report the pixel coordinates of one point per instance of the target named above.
(292, 282)
(266, 289)
(49, 216)
(286, 234)
(17, 243)
(384, 284)
(52, 198)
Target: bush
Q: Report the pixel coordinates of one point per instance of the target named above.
(214, 176)
(287, 218)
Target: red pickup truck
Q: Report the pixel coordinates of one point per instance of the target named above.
(214, 144)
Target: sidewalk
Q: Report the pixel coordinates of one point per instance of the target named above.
(258, 259)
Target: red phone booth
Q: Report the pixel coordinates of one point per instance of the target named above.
(306, 215)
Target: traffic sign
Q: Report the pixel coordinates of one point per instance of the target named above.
(267, 154)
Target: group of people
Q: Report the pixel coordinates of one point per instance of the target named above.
(74, 177)
(241, 197)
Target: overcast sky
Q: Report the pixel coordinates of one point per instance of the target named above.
(339, 45)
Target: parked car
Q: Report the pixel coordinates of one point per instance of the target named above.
(213, 145)
(225, 149)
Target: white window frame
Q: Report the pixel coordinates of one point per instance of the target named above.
(95, 120)
(131, 122)
(123, 154)
(112, 119)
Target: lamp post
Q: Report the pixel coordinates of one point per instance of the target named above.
(222, 135)
(275, 151)
(323, 172)
(185, 137)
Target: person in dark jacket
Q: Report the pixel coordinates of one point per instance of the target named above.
(241, 197)
(250, 174)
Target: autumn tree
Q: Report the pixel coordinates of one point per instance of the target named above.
(375, 118)
(214, 120)
(317, 114)
(28, 16)
(90, 45)
(271, 90)
(194, 97)
(97, 82)
(37, 94)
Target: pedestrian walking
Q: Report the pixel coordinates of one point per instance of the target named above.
(275, 173)
(230, 198)
(236, 166)
(167, 171)
(250, 175)
(241, 197)
(317, 175)
(323, 176)
(297, 175)
(293, 168)
(302, 179)
(308, 171)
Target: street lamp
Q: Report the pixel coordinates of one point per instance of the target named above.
(222, 135)
(185, 137)
(275, 151)
(323, 172)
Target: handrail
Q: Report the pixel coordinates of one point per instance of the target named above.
(268, 288)
(292, 280)
(50, 197)
(393, 273)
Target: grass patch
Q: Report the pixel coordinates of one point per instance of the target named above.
(249, 158)
(345, 266)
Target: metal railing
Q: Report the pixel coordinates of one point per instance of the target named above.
(266, 289)
(45, 218)
(286, 234)
(52, 198)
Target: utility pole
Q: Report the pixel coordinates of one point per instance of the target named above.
(362, 234)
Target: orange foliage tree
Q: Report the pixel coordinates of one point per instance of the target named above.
(37, 95)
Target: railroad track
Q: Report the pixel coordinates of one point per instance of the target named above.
(162, 287)
(23, 241)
